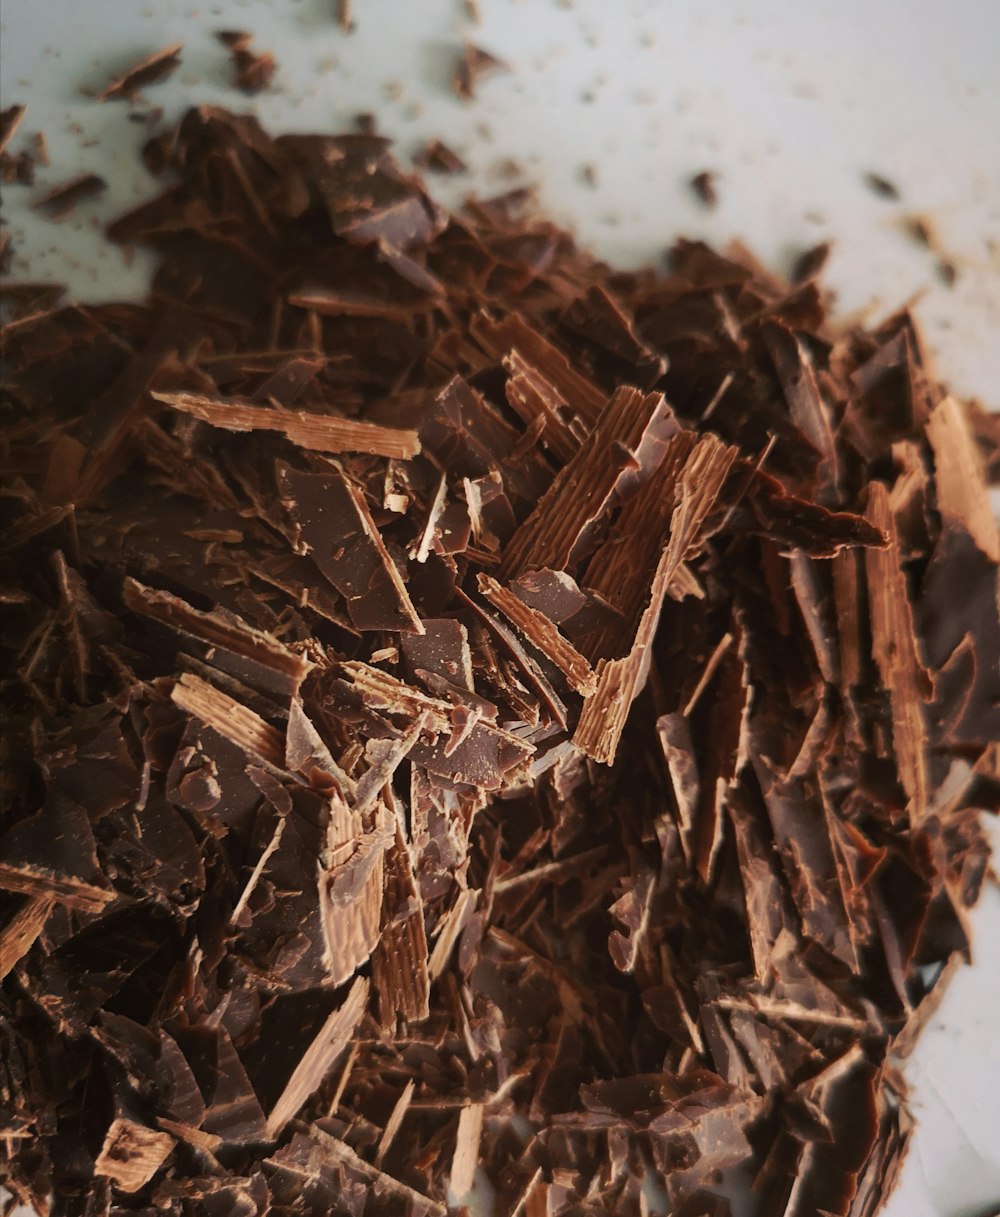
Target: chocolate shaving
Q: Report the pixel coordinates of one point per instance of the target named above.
(521, 726)
(148, 71)
(10, 120)
(62, 200)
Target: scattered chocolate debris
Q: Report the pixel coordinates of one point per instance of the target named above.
(703, 184)
(881, 186)
(151, 70)
(62, 200)
(472, 65)
(472, 717)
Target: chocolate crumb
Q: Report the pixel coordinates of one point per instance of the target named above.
(882, 187)
(703, 184)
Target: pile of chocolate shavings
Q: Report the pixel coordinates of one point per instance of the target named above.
(472, 713)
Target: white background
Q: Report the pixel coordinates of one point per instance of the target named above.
(789, 101)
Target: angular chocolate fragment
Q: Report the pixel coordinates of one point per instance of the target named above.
(312, 432)
(473, 64)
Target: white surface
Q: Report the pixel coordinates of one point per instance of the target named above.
(789, 102)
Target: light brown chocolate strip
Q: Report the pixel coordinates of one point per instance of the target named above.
(314, 432)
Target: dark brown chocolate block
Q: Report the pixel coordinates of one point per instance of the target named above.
(473, 716)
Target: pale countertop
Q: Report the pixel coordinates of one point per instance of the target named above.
(789, 103)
